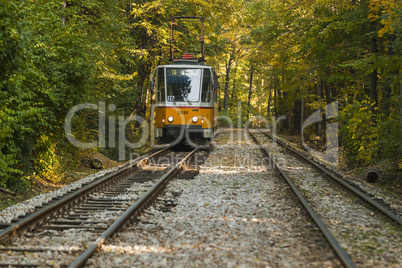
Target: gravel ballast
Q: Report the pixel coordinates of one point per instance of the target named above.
(236, 212)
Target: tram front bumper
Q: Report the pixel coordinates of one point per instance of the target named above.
(177, 130)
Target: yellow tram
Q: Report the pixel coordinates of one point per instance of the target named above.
(185, 97)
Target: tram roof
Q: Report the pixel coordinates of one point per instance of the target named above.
(186, 63)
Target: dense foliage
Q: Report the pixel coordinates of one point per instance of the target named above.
(349, 51)
(274, 58)
(52, 57)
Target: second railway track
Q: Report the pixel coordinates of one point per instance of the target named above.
(350, 226)
(59, 233)
(377, 203)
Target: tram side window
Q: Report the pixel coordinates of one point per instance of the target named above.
(161, 85)
(206, 86)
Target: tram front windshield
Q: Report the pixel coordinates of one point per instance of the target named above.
(183, 84)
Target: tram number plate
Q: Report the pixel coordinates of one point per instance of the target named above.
(182, 112)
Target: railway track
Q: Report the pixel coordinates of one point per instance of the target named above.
(317, 202)
(377, 203)
(94, 212)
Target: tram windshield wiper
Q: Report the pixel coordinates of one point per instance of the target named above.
(185, 97)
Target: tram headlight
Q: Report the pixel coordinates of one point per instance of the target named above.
(195, 119)
(163, 119)
(170, 119)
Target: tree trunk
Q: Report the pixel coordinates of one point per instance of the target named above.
(269, 99)
(301, 114)
(145, 90)
(63, 18)
(279, 101)
(334, 92)
(275, 103)
(228, 67)
(386, 93)
(373, 75)
(319, 96)
(296, 126)
(234, 85)
(400, 111)
(386, 96)
(142, 75)
(327, 93)
(373, 87)
(328, 100)
(249, 91)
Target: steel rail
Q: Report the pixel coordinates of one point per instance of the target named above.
(80, 261)
(48, 210)
(343, 256)
(360, 194)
